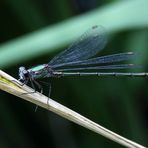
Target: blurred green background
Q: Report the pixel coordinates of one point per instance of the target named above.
(33, 31)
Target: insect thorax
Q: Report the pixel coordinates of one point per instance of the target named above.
(40, 71)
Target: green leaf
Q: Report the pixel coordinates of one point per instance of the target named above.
(115, 17)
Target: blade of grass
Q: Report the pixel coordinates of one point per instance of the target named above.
(12, 86)
(115, 16)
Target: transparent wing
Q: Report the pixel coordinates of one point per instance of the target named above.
(121, 66)
(99, 60)
(88, 45)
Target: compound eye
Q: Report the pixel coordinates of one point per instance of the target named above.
(21, 69)
(22, 74)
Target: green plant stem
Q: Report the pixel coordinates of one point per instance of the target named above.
(114, 17)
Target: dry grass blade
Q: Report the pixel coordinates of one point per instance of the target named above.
(12, 86)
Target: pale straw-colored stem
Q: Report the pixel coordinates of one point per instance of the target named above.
(12, 86)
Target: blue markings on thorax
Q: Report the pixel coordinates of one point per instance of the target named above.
(38, 68)
(39, 71)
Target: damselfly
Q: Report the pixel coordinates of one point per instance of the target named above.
(79, 60)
